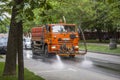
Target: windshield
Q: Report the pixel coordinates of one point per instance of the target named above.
(3, 39)
(62, 28)
(27, 40)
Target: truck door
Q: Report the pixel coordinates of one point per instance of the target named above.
(48, 33)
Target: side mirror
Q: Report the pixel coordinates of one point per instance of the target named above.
(47, 28)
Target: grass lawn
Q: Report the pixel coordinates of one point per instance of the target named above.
(28, 75)
(97, 41)
(101, 48)
(1, 56)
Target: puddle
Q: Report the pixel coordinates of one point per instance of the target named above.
(28, 54)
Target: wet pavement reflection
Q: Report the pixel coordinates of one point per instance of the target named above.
(62, 63)
(28, 54)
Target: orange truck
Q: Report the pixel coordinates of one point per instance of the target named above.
(61, 39)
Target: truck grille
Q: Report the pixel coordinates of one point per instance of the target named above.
(65, 41)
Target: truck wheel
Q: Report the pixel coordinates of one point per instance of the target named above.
(33, 51)
(46, 51)
(25, 47)
(72, 56)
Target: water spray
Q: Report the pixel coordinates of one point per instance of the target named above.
(86, 63)
(58, 64)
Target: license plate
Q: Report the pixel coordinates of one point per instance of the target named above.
(66, 39)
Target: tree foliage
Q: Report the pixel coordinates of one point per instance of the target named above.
(91, 14)
(94, 15)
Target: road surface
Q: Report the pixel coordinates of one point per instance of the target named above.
(90, 67)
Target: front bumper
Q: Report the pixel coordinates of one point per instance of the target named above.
(28, 46)
(66, 53)
(70, 53)
(66, 50)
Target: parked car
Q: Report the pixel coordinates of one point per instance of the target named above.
(3, 45)
(27, 43)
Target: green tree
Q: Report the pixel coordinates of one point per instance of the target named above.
(21, 12)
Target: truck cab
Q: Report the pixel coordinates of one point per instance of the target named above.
(62, 39)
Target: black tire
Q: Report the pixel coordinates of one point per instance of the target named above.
(33, 51)
(72, 56)
(3, 51)
(25, 47)
(46, 51)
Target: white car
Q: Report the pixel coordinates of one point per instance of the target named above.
(3, 45)
(27, 43)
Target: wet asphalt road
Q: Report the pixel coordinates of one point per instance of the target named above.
(89, 67)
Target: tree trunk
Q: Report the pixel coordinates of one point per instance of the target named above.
(20, 51)
(20, 42)
(10, 63)
(15, 44)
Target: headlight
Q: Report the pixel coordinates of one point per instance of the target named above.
(54, 36)
(28, 43)
(53, 47)
(66, 38)
(76, 46)
(76, 36)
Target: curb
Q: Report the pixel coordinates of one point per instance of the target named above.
(105, 53)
